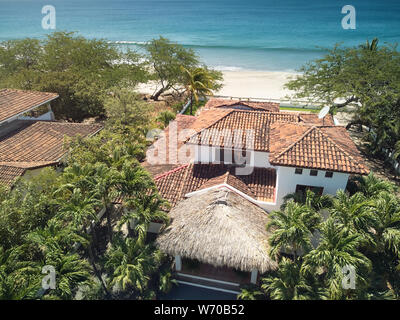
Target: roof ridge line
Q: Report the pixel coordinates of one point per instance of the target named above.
(182, 185)
(29, 91)
(340, 148)
(245, 184)
(164, 174)
(228, 113)
(225, 115)
(65, 123)
(226, 174)
(293, 144)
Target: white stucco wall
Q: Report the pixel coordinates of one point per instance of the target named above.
(206, 154)
(287, 181)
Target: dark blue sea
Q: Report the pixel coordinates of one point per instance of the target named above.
(227, 34)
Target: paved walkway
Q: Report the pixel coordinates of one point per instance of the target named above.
(188, 292)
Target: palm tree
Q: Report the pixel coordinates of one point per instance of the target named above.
(292, 229)
(71, 272)
(199, 82)
(143, 210)
(338, 248)
(18, 279)
(166, 282)
(105, 182)
(373, 46)
(56, 235)
(250, 293)
(354, 212)
(134, 180)
(287, 283)
(384, 250)
(130, 264)
(386, 209)
(309, 198)
(80, 212)
(371, 185)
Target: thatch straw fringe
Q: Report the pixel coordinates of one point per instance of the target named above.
(221, 228)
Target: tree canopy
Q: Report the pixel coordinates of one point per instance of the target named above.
(359, 229)
(80, 70)
(366, 80)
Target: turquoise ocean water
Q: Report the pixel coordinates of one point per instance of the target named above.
(227, 34)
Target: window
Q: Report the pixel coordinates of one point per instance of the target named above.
(221, 155)
(238, 157)
(313, 173)
(302, 189)
(298, 171)
(328, 174)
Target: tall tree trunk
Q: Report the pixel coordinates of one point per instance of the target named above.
(191, 104)
(109, 226)
(294, 253)
(352, 123)
(96, 271)
(157, 95)
(93, 262)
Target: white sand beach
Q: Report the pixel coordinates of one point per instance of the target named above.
(255, 84)
(247, 84)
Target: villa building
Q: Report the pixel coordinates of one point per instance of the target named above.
(30, 139)
(239, 150)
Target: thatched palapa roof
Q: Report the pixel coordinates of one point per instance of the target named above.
(221, 228)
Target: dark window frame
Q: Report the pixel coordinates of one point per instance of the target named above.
(328, 174)
(298, 171)
(300, 188)
(312, 173)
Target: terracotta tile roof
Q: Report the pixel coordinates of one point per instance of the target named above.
(283, 134)
(14, 102)
(175, 184)
(244, 105)
(208, 117)
(156, 170)
(325, 148)
(254, 126)
(163, 149)
(28, 164)
(39, 143)
(161, 152)
(312, 118)
(9, 174)
(231, 180)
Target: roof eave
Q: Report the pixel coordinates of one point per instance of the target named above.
(14, 117)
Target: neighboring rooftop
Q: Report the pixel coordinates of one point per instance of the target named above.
(39, 143)
(241, 105)
(174, 185)
(8, 175)
(36, 144)
(221, 228)
(15, 102)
